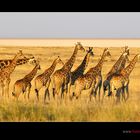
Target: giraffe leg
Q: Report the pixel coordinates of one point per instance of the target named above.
(92, 91)
(127, 92)
(91, 95)
(17, 96)
(69, 87)
(47, 90)
(104, 92)
(7, 86)
(110, 91)
(37, 94)
(62, 91)
(95, 91)
(65, 88)
(77, 92)
(46, 93)
(24, 95)
(29, 89)
(118, 92)
(53, 93)
(77, 96)
(69, 90)
(2, 88)
(99, 92)
(123, 93)
(67, 82)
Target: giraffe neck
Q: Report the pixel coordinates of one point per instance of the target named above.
(98, 67)
(32, 74)
(5, 63)
(68, 65)
(10, 68)
(116, 66)
(127, 71)
(22, 61)
(122, 66)
(81, 68)
(51, 68)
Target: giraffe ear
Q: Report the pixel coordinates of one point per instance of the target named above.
(31, 56)
(38, 60)
(125, 54)
(106, 49)
(20, 50)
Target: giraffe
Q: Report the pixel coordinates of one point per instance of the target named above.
(120, 82)
(99, 76)
(6, 72)
(61, 77)
(44, 78)
(117, 67)
(24, 85)
(80, 69)
(89, 80)
(6, 62)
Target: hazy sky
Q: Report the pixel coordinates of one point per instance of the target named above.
(70, 25)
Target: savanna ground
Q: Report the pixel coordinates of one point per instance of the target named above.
(80, 110)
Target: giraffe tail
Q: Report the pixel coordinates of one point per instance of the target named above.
(36, 90)
(110, 93)
(13, 93)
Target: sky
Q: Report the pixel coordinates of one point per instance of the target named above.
(70, 25)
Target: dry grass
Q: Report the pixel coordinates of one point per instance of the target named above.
(80, 110)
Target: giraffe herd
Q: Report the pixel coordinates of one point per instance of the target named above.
(65, 82)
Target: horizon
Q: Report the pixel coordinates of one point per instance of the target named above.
(63, 42)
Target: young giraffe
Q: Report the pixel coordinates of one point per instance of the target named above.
(120, 82)
(80, 69)
(98, 77)
(5, 63)
(23, 85)
(118, 66)
(88, 80)
(44, 78)
(61, 77)
(6, 72)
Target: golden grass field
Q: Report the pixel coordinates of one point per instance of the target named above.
(80, 110)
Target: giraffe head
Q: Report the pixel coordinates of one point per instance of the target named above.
(126, 49)
(37, 63)
(138, 56)
(107, 53)
(80, 46)
(58, 60)
(90, 52)
(125, 55)
(31, 59)
(19, 53)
